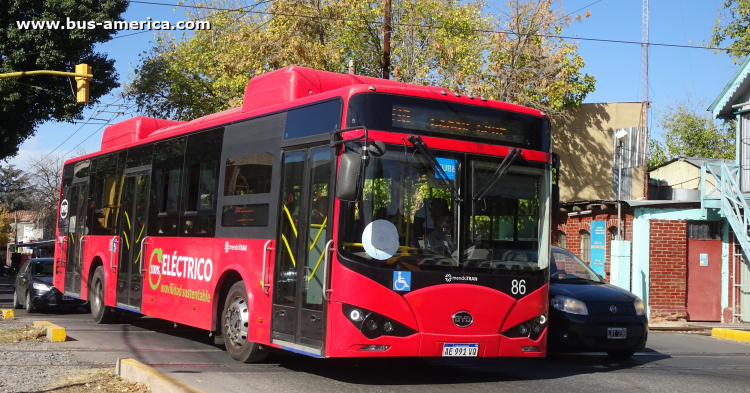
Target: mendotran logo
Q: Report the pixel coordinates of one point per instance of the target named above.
(449, 278)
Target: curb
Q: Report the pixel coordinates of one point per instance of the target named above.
(677, 328)
(159, 382)
(54, 333)
(7, 314)
(729, 334)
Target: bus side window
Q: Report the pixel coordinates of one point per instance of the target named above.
(166, 183)
(201, 183)
(102, 194)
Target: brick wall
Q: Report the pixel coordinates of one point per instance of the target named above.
(572, 227)
(668, 269)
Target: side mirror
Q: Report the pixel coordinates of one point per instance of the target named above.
(555, 200)
(347, 181)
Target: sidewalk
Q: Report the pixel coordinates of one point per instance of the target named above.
(671, 326)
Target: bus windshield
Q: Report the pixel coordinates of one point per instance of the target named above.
(409, 217)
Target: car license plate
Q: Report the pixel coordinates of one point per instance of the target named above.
(460, 349)
(617, 333)
(68, 298)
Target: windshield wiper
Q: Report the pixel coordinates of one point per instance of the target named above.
(425, 151)
(513, 154)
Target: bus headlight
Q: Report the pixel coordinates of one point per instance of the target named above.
(373, 325)
(356, 315)
(532, 328)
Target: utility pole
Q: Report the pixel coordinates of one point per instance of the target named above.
(644, 96)
(387, 41)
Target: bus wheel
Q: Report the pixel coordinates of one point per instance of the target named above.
(102, 314)
(235, 320)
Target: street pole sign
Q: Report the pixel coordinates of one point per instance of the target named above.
(598, 246)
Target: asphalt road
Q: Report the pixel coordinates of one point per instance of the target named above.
(671, 362)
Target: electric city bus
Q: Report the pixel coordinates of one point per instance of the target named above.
(331, 215)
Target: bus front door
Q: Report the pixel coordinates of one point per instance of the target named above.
(132, 231)
(75, 203)
(299, 309)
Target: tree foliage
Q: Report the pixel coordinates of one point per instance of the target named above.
(29, 101)
(691, 132)
(732, 27)
(461, 46)
(14, 188)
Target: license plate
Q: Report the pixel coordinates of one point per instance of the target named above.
(460, 349)
(617, 333)
(68, 298)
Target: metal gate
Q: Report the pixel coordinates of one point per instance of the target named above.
(742, 286)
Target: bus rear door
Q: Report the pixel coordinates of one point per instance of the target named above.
(299, 308)
(132, 231)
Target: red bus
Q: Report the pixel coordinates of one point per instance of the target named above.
(331, 215)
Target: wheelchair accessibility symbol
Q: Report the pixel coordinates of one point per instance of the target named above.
(402, 281)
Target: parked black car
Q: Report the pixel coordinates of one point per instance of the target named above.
(587, 314)
(33, 287)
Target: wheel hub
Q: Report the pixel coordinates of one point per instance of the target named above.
(236, 322)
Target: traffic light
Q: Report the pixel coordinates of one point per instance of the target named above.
(82, 83)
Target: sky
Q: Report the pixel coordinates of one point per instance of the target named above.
(674, 73)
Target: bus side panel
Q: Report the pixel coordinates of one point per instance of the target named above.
(182, 275)
(93, 247)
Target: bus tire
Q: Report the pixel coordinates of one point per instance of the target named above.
(235, 321)
(101, 313)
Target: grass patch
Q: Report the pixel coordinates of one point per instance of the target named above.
(97, 380)
(26, 333)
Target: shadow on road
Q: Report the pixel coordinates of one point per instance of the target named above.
(406, 371)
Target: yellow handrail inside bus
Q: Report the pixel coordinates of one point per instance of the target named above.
(322, 226)
(289, 249)
(126, 239)
(72, 238)
(316, 265)
(127, 218)
(291, 221)
(140, 234)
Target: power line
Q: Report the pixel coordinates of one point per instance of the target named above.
(320, 17)
(88, 121)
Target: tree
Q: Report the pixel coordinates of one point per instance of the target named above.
(690, 132)
(733, 27)
(29, 101)
(14, 188)
(529, 66)
(438, 42)
(44, 191)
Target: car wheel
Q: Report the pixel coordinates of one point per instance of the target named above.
(235, 320)
(102, 314)
(16, 302)
(621, 353)
(29, 304)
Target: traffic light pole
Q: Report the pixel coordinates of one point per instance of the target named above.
(43, 72)
(83, 77)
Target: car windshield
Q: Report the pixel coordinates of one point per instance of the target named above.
(409, 216)
(42, 268)
(566, 266)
